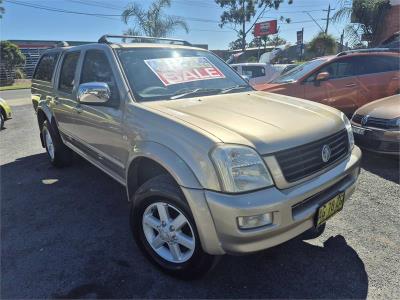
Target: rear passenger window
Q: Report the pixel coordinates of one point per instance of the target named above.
(45, 68)
(378, 64)
(67, 75)
(96, 68)
(253, 71)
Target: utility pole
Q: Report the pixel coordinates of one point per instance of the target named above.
(327, 17)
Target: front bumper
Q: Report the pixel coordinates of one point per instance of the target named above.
(379, 140)
(293, 210)
(7, 110)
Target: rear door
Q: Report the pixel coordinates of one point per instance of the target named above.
(341, 90)
(42, 80)
(65, 100)
(378, 77)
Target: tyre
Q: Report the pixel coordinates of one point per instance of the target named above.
(164, 229)
(313, 233)
(1, 121)
(59, 154)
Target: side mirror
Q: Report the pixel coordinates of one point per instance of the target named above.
(322, 76)
(94, 93)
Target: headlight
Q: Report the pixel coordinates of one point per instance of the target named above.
(394, 124)
(240, 168)
(347, 124)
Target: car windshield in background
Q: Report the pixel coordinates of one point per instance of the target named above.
(164, 73)
(299, 71)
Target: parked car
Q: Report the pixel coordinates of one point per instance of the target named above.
(376, 125)
(256, 72)
(5, 112)
(346, 81)
(210, 166)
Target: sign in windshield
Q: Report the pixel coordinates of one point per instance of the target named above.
(175, 70)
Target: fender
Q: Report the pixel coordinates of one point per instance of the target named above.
(168, 159)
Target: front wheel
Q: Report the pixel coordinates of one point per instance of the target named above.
(1, 121)
(164, 229)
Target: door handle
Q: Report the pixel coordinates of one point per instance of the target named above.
(78, 110)
(350, 85)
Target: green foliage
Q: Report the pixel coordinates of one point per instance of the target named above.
(237, 44)
(239, 12)
(10, 55)
(19, 74)
(2, 10)
(152, 22)
(366, 16)
(322, 44)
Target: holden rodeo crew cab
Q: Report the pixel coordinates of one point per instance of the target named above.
(210, 166)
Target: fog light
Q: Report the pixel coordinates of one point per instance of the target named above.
(254, 221)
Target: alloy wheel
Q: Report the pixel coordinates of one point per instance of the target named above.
(168, 232)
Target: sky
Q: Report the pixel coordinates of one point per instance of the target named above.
(202, 16)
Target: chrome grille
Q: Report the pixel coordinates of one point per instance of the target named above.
(373, 122)
(302, 161)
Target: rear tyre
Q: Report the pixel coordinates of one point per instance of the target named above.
(164, 229)
(59, 154)
(313, 233)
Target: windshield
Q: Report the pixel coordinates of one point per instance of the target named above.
(299, 71)
(168, 74)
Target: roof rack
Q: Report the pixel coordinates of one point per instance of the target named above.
(143, 39)
(368, 50)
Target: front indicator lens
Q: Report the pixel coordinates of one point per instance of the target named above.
(240, 169)
(251, 222)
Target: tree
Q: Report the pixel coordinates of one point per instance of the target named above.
(366, 17)
(10, 57)
(237, 44)
(323, 44)
(152, 22)
(240, 12)
(276, 41)
(2, 10)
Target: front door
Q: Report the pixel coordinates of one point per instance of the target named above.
(340, 90)
(100, 126)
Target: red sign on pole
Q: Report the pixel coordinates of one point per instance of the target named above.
(265, 28)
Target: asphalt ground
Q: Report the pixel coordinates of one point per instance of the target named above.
(64, 234)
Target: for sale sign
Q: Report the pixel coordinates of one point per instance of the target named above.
(176, 70)
(265, 28)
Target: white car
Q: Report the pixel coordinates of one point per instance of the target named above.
(257, 73)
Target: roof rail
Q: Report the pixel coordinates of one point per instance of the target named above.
(368, 50)
(143, 39)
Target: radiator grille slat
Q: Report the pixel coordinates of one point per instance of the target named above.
(305, 160)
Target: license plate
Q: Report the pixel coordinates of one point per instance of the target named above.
(358, 130)
(329, 209)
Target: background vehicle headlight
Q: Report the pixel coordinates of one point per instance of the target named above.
(240, 168)
(349, 129)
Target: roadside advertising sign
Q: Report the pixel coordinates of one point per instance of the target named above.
(266, 28)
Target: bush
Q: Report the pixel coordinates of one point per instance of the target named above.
(19, 74)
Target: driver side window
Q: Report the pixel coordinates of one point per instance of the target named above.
(336, 70)
(96, 68)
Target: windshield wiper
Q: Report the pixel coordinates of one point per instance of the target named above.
(187, 92)
(233, 88)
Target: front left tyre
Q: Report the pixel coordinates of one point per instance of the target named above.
(59, 154)
(1, 121)
(164, 229)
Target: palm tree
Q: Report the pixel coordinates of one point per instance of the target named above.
(152, 22)
(366, 17)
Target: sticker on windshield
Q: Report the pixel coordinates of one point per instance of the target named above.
(176, 70)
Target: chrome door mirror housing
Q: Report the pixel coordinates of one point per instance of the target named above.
(94, 93)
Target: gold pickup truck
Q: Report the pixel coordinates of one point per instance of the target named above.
(210, 166)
